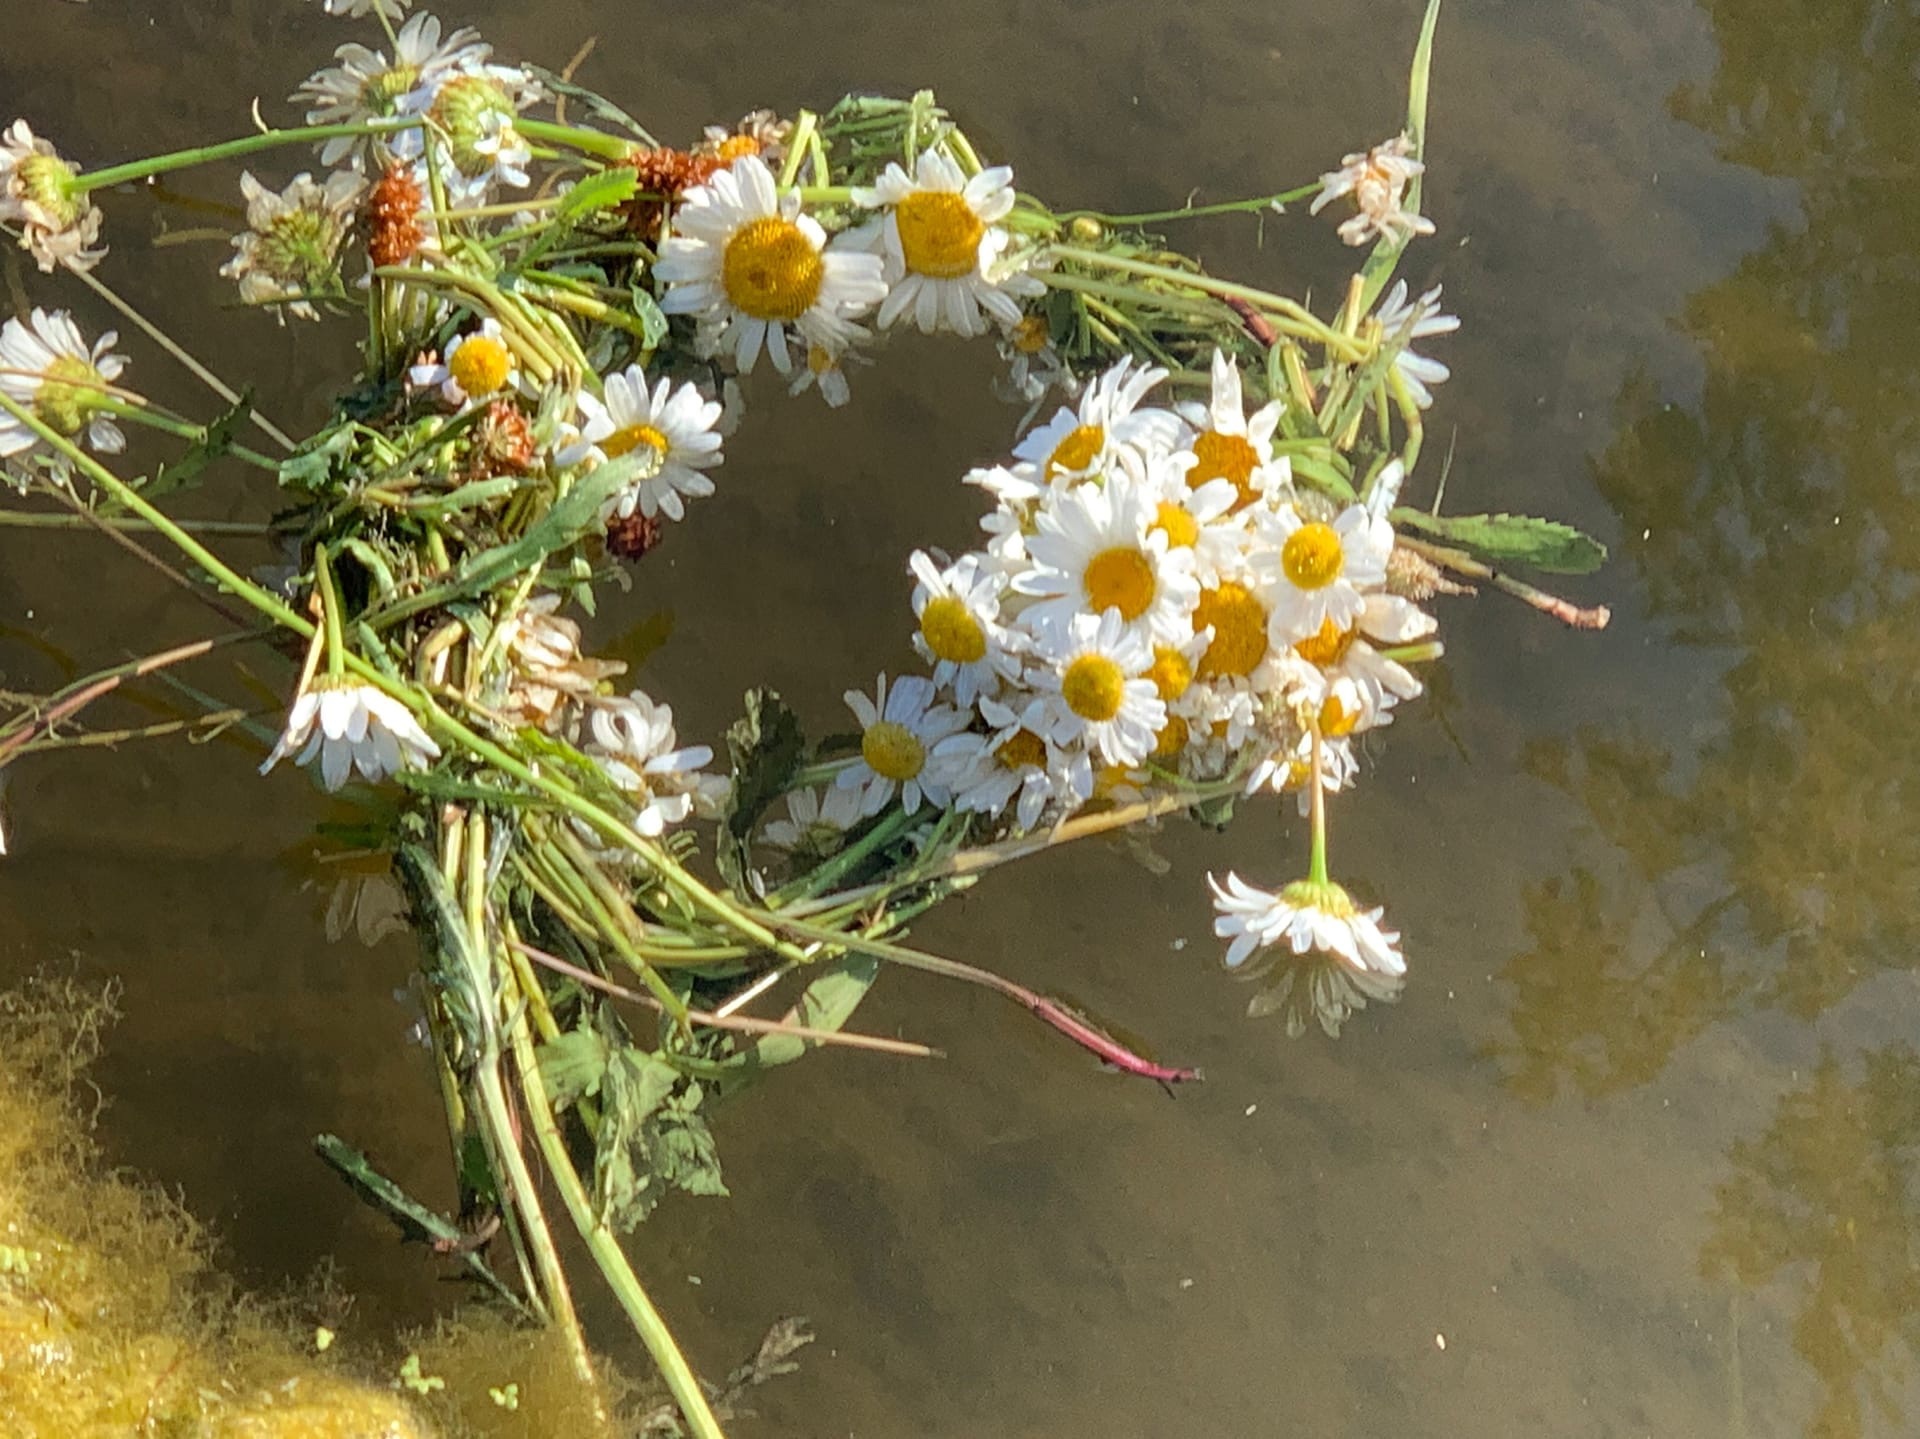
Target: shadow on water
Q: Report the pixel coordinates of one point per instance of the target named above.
(1639, 1144)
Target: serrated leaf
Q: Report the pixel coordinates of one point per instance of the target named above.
(765, 748)
(1512, 539)
(216, 439)
(572, 1065)
(603, 191)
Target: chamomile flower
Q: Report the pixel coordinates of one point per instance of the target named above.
(57, 224)
(676, 425)
(1106, 427)
(899, 728)
(1315, 670)
(633, 739)
(1229, 444)
(1100, 693)
(47, 367)
(1377, 180)
(477, 364)
(943, 246)
(290, 246)
(365, 85)
(1324, 568)
(1097, 549)
(1309, 916)
(960, 632)
(817, 820)
(1287, 764)
(826, 371)
(1034, 364)
(471, 113)
(1406, 322)
(1018, 764)
(351, 726)
(1201, 520)
(747, 265)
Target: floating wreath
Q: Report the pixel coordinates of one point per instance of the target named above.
(1196, 582)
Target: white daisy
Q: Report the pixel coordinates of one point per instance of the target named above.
(677, 425)
(826, 372)
(1104, 428)
(1018, 763)
(1287, 764)
(960, 632)
(1340, 674)
(352, 726)
(632, 737)
(1324, 569)
(292, 239)
(1097, 549)
(1377, 180)
(1099, 691)
(471, 110)
(46, 366)
(1402, 323)
(477, 364)
(1228, 444)
(817, 820)
(365, 85)
(57, 226)
(1034, 364)
(1206, 520)
(1308, 915)
(898, 729)
(943, 246)
(747, 265)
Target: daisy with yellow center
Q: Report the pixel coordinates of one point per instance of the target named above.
(1234, 611)
(1100, 694)
(632, 738)
(748, 265)
(675, 425)
(1019, 764)
(1230, 445)
(476, 365)
(943, 246)
(1095, 550)
(1106, 429)
(1206, 521)
(58, 223)
(1325, 569)
(899, 728)
(1342, 668)
(960, 632)
(365, 85)
(47, 367)
(1337, 956)
(825, 371)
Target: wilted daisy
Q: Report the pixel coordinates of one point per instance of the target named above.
(677, 425)
(1101, 695)
(632, 737)
(292, 239)
(899, 727)
(1034, 365)
(817, 820)
(1308, 915)
(960, 632)
(1104, 428)
(57, 225)
(546, 669)
(1377, 180)
(352, 726)
(826, 371)
(942, 244)
(759, 132)
(1097, 549)
(365, 85)
(1316, 667)
(747, 264)
(1324, 568)
(1404, 322)
(46, 366)
(1228, 444)
(1017, 763)
(477, 364)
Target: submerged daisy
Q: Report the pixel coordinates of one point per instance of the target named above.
(747, 265)
(352, 726)
(676, 425)
(1406, 322)
(1377, 180)
(1324, 568)
(899, 729)
(943, 247)
(477, 364)
(289, 248)
(817, 820)
(46, 366)
(1098, 680)
(633, 739)
(37, 193)
(354, 9)
(365, 85)
(1308, 915)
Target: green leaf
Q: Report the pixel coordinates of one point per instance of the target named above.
(216, 439)
(603, 191)
(573, 515)
(827, 1003)
(651, 1139)
(653, 323)
(573, 1065)
(1512, 539)
(766, 748)
(311, 468)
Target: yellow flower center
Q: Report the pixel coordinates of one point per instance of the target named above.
(939, 234)
(630, 438)
(1093, 688)
(771, 270)
(70, 390)
(1239, 623)
(1336, 719)
(480, 365)
(735, 147)
(45, 181)
(1120, 579)
(1023, 749)
(1171, 672)
(893, 751)
(1311, 558)
(1225, 457)
(1031, 335)
(1076, 451)
(1171, 739)
(821, 360)
(1327, 648)
(1180, 528)
(952, 633)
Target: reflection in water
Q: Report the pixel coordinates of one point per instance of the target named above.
(1762, 822)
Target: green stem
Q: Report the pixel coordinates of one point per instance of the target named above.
(593, 142)
(36, 520)
(183, 429)
(1194, 212)
(1318, 872)
(228, 150)
(330, 605)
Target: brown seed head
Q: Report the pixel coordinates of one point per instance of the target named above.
(632, 536)
(665, 175)
(503, 440)
(393, 216)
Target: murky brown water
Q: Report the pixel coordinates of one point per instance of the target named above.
(1640, 1141)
